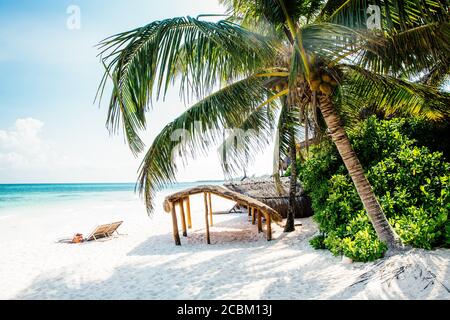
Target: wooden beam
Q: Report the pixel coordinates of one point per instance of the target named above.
(183, 217)
(268, 227)
(176, 236)
(210, 209)
(188, 207)
(253, 216)
(259, 221)
(208, 239)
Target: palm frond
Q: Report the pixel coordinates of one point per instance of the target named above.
(438, 75)
(243, 142)
(333, 42)
(408, 53)
(396, 15)
(196, 130)
(258, 11)
(144, 62)
(392, 95)
(286, 126)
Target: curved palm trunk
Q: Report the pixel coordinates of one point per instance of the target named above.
(382, 227)
(290, 226)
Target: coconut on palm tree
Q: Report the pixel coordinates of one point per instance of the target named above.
(304, 61)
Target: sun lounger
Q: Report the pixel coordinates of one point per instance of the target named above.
(104, 231)
(236, 209)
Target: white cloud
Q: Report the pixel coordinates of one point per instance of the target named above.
(22, 146)
(26, 156)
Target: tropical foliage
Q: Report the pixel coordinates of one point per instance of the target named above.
(411, 181)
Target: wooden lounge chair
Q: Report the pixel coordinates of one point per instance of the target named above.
(236, 209)
(104, 231)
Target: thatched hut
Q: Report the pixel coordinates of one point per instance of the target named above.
(265, 190)
(257, 209)
(259, 196)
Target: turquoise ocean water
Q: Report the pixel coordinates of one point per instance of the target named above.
(26, 195)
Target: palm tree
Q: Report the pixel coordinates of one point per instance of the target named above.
(312, 58)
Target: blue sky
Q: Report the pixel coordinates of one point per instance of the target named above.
(50, 130)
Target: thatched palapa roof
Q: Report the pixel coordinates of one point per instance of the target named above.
(223, 192)
(264, 189)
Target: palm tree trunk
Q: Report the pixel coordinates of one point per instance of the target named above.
(290, 226)
(382, 227)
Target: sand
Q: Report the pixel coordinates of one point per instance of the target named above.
(144, 263)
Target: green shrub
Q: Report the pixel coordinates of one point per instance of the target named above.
(333, 242)
(414, 194)
(363, 246)
(340, 205)
(411, 182)
(419, 228)
(317, 242)
(434, 136)
(447, 234)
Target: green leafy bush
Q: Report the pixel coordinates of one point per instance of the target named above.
(434, 136)
(333, 242)
(411, 182)
(317, 242)
(414, 194)
(363, 247)
(447, 234)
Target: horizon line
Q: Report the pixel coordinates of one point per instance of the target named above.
(61, 183)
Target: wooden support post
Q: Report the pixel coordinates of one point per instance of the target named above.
(183, 217)
(253, 216)
(268, 228)
(188, 207)
(210, 210)
(176, 236)
(208, 239)
(259, 221)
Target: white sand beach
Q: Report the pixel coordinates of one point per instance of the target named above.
(144, 263)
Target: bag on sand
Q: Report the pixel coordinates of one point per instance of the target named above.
(78, 238)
